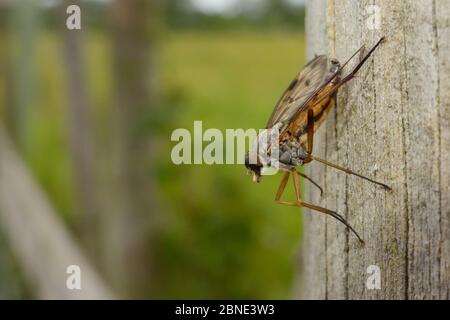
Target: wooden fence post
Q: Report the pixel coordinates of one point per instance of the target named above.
(392, 123)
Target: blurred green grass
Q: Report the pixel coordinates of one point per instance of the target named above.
(230, 80)
(222, 236)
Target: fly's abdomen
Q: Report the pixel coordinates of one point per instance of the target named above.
(321, 107)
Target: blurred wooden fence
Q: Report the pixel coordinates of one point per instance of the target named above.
(42, 245)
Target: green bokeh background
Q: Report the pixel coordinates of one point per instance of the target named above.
(219, 235)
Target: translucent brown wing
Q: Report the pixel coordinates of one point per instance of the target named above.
(308, 81)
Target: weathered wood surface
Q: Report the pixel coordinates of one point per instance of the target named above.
(392, 123)
(42, 245)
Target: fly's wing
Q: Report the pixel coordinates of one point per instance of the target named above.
(308, 81)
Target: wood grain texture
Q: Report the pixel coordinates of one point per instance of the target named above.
(392, 123)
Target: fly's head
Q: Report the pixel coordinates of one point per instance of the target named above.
(253, 167)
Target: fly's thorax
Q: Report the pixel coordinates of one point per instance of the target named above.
(292, 153)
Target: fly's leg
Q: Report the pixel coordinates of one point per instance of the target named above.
(311, 180)
(352, 73)
(280, 191)
(360, 64)
(300, 203)
(348, 171)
